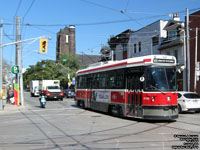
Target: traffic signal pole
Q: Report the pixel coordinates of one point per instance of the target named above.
(20, 70)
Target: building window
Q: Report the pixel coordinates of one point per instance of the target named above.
(67, 39)
(135, 48)
(140, 44)
(155, 40)
(176, 55)
(172, 35)
(125, 47)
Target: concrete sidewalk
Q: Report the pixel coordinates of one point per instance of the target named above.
(9, 108)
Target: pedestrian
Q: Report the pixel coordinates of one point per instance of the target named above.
(9, 94)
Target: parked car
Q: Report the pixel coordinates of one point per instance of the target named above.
(188, 101)
(69, 93)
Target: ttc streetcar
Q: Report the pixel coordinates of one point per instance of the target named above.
(140, 87)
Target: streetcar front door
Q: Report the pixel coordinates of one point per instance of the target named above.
(134, 101)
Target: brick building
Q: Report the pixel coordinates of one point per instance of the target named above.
(66, 41)
(194, 22)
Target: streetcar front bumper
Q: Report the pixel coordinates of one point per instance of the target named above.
(167, 112)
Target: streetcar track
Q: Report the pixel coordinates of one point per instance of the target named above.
(50, 139)
(157, 144)
(130, 134)
(116, 128)
(189, 123)
(94, 133)
(147, 130)
(116, 137)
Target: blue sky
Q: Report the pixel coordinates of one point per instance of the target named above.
(95, 21)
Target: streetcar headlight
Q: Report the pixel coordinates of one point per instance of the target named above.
(168, 98)
(153, 99)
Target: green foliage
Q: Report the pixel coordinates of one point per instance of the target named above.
(6, 68)
(53, 70)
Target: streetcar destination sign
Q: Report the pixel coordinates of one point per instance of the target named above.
(155, 60)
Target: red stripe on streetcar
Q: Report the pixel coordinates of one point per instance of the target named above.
(106, 67)
(115, 65)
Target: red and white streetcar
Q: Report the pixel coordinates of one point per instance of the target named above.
(140, 87)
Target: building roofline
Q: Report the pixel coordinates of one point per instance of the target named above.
(150, 24)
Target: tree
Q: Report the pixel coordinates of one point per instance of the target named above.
(53, 70)
(6, 70)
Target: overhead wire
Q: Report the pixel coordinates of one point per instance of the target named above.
(84, 24)
(99, 5)
(19, 4)
(12, 39)
(28, 10)
(26, 13)
(127, 5)
(8, 36)
(103, 22)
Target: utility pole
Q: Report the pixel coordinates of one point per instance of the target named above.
(19, 76)
(188, 49)
(196, 67)
(1, 67)
(17, 38)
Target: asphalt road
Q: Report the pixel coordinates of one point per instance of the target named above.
(63, 126)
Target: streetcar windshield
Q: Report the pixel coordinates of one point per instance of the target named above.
(158, 78)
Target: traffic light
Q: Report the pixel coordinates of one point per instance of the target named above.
(43, 45)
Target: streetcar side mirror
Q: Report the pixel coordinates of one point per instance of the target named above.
(142, 79)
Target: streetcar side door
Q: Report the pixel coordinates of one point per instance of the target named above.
(134, 87)
(89, 90)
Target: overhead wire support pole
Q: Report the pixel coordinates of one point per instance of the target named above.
(17, 55)
(1, 67)
(195, 70)
(19, 60)
(188, 49)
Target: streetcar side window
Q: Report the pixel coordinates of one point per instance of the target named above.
(82, 82)
(103, 80)
(111, 79)
(115, 79)
(96, 80)
(119, 79)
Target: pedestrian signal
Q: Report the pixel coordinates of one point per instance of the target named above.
(43, 45)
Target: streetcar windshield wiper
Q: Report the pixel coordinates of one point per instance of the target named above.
(157, 89)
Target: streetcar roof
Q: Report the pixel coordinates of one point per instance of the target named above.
(159, 60)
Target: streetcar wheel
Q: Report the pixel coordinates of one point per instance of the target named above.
(82, 104)
(110, 110)
(78, 103)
